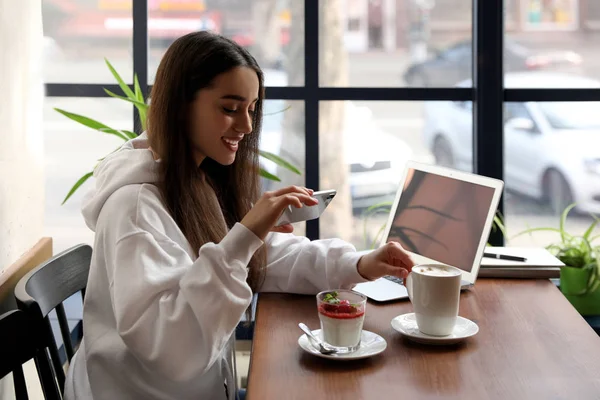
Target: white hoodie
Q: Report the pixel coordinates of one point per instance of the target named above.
(158, 318)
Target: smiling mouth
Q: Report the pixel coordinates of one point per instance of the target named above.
(230, 143)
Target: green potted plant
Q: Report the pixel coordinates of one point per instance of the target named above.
(580, 277)
(136, 97)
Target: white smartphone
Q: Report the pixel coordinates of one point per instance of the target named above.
(306, 213)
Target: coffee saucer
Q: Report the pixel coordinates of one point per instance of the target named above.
(406, 324)
(370, 344)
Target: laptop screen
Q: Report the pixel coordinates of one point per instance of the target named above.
(441, 218)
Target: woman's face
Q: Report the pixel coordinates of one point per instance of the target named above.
(222, 114)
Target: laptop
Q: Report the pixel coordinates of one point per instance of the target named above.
(440, 216)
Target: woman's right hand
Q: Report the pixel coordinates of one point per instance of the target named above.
(264, 215)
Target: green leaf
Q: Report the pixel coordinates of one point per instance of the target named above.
(563, 220)
(142, 109)
(589, 230)
(129, 134)
(269, 176)
(536, 230)
(115, 132)
(382, 207)
(331, 297)
(594, 238)
(138, 90)
(277, 112)
(377, 235)
(499, 223)
(279, 161)
(134, 101)
(77, 185)
(91, 123)
(124, 87)
(386, 205)
(143, 117)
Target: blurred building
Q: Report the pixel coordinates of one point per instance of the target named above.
(389, 25)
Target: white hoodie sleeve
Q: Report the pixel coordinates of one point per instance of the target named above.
(297, 265)
(175, 314)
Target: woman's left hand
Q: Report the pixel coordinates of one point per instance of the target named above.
(390, 259)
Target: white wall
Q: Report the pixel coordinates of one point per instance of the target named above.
(21, 140)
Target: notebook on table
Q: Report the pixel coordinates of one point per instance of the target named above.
(539, 263)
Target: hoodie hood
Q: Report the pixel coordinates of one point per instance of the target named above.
(132, 164)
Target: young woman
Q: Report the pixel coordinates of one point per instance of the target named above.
(184, 238)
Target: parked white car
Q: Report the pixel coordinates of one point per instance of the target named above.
(551, 150)
(375, 158)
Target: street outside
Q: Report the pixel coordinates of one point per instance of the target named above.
(72, 150)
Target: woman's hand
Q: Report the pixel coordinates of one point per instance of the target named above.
(263, 216)
(390, 259)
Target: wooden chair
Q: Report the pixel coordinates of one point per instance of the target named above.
(20, 341)
(45, 288)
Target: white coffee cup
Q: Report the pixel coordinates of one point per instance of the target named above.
(434, 291)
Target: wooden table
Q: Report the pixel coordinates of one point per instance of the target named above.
(531, 345)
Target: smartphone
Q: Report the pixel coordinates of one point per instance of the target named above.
(306, 213)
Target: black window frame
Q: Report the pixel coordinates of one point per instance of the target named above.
(487, 94)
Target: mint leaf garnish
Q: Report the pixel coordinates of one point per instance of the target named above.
(331, 298)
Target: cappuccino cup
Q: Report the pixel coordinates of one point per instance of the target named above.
(434, 291)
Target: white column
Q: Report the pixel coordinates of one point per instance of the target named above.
(21, 136)
(21, 142)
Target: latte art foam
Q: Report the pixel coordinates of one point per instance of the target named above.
(435, 270)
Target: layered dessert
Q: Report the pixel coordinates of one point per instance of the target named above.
(342, 315)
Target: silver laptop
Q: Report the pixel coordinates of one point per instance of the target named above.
(440, 215)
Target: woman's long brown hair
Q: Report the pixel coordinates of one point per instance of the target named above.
(191, 64)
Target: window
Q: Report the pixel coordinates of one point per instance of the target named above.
(79, 34)
(552, 45)
(283, 135)
(270, 30)
(546, 171)
(366, 168)
(369, 52)
(515, 110)
(399, 44)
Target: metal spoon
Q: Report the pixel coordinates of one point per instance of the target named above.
(319, 343)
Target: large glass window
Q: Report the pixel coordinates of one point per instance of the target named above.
(271, 30)
(364, 147)
(383, 43)
(549, 44)
(79, 34)
(552, 42)
(551, 160)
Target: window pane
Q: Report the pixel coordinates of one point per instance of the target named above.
(549, 44)
(79, 34)
(382, 43)
(71, 150)
(550, 161)
(272, 30)
(283, 134)
(364, 147)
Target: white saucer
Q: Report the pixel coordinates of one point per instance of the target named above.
(406, 324)
(370, 344)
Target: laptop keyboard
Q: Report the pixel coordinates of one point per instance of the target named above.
(394, 279)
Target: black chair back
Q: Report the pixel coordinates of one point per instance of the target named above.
(45, 288)
(20, 341)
